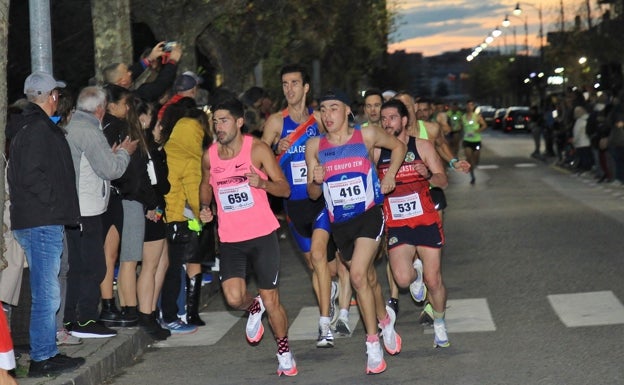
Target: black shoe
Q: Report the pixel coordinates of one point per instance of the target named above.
(150, 325)
(394, 304)
(110, 315)
(129, 316)
(92, 329)
(193, 297)
(156, 315)
(54, 365)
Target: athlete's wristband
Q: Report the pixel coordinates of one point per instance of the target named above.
(452, 162)
(429, 175)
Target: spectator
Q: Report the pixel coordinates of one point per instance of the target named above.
(184, 153)
(115, 127)
(253, 99)
(155, 250)
(43, 200)
(583, 156)
(95, 165)
(122, 75)
(185, 86)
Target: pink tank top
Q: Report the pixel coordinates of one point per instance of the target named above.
(243, 211)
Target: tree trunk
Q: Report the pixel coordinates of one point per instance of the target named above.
(111, 31)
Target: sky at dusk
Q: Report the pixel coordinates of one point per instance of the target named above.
(434, 27)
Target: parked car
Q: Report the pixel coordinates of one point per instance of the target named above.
(516, 118)
(487, 112)
(497, 119)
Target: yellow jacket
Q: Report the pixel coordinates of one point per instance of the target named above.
(184, 154)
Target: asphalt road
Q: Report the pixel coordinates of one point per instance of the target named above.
(533, 267)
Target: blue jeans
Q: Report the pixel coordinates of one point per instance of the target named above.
(43, 247)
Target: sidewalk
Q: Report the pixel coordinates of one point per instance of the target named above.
(105, 357)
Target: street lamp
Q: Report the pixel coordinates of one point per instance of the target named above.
(517, 12)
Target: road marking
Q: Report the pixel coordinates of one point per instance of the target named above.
(588, 309)
(467, 315)
(525, 165)
(218, 323)
(305, 325)
(487, 167)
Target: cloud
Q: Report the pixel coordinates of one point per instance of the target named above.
(418, 19)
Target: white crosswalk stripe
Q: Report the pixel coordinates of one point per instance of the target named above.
(218, 323)
(588, 309)
(462, 316)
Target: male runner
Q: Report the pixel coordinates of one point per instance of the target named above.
(413, 225)
(288, 131)
(343, 172)
(241, 170)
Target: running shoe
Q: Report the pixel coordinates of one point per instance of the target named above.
(63, 337)
(92, 329)
(255, 328)
(394, 304)
(325, 338)
(418, 289)
(426, 315)
(440, 339)
(333, 297)
(179, 327)
(391, 339)
(287, 365)
(375, 363)
(342, 327)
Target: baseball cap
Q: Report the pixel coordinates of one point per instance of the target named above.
(186, 81)
(335, 94)
(39, 83)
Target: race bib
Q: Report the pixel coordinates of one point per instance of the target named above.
(236, 198)
(299, 172)
(347, 192)
(405, 207)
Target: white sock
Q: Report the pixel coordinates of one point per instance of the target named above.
(324, 320)
(344, 314)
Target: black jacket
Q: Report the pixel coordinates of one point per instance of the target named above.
(42, 182)
(134, 184)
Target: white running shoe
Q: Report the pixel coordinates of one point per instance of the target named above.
(255, 329)
(333, 297)
(287, 365)
(325, 338)
(391, 339)
(418, 290)
(375, 363)
(342, 327)
(440, 338)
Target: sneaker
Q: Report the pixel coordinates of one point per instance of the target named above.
(179, 327)
(287, 365)
(333, 297)
(391, 339)
(394, 304)
(426, 315)
(375, 363)
(92, 329)
(418, 290)
(255, 329)
(54, 365)
(63, 337)
(325, 338)
(440, 339)
(342, 327)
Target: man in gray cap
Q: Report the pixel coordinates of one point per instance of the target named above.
(43, 201)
